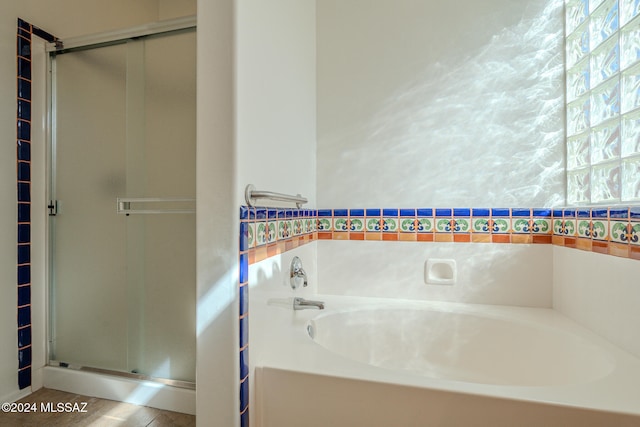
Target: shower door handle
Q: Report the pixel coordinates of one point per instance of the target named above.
(154, 205)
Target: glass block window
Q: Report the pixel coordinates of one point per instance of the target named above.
(603, 101)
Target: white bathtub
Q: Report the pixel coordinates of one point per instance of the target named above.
(459, 346)
(380, 362)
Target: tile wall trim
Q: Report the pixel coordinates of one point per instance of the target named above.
(266, 232)
(25, 32)
(606, 230)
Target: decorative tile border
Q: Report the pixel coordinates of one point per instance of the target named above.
(612, 231)
(25, 32)
(265, 232)
(481, 225)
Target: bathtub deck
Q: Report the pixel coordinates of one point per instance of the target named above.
(99, 412)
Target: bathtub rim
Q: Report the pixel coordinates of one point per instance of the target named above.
(605, 361)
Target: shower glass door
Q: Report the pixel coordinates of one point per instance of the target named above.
(122, 220)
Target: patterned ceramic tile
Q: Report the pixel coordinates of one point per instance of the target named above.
(296, 225)
(389, 225)
(372, 220)
(341, 224)
(621, 231)
(541, 226)
(284, 229)
(409, 225)
(425, 222)
(324, 224)
(481, 224)
(271, 231)
(635, 233)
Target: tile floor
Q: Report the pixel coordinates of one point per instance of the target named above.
(99, 413)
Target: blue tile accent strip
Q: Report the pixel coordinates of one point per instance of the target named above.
(500, 212)
(24, 316)
(244, 236)
(24, 278)
(24, 378)
(24, 34)
(244, 419)
(244, 395)
(521, 212)
(244, 300)
(24, 337)
(24, 254)
(244, 363)
(244, 331)
(24, 357)
(244, 268)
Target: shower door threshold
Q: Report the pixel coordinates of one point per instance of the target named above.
(120, 388)
(134, 376)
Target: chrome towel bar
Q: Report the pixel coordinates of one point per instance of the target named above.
(251, 194)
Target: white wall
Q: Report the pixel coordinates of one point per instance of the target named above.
(276, 127)
(601, 292)
(450, 104)
(276, 95)
(517, 275)
(435, 103)
(217, 374)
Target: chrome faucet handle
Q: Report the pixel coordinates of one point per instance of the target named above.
(296, 272)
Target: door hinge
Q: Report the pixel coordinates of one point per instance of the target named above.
(53, 207)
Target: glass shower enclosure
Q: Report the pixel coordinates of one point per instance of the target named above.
(122, 207)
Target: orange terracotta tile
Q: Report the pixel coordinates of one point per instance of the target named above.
(557, 240)
(570, 242)
(261, 254)
(372, 236)
(251, 257)
(481, 238)
(272, 250)
(521, 238)
(340, 235)
(500, 238)
(424, 237)
(408, 237)
(543, 240)
(443, 237)
(462, 238)
(619, 249)
(324, 235)
(390, 237)
(600, 247)
(634, 252)
(288, 245)
(584, 244)
(356, 236)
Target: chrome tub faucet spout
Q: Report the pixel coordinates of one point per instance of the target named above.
(303, 304)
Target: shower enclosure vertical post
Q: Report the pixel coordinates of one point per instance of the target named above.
(135, 187)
